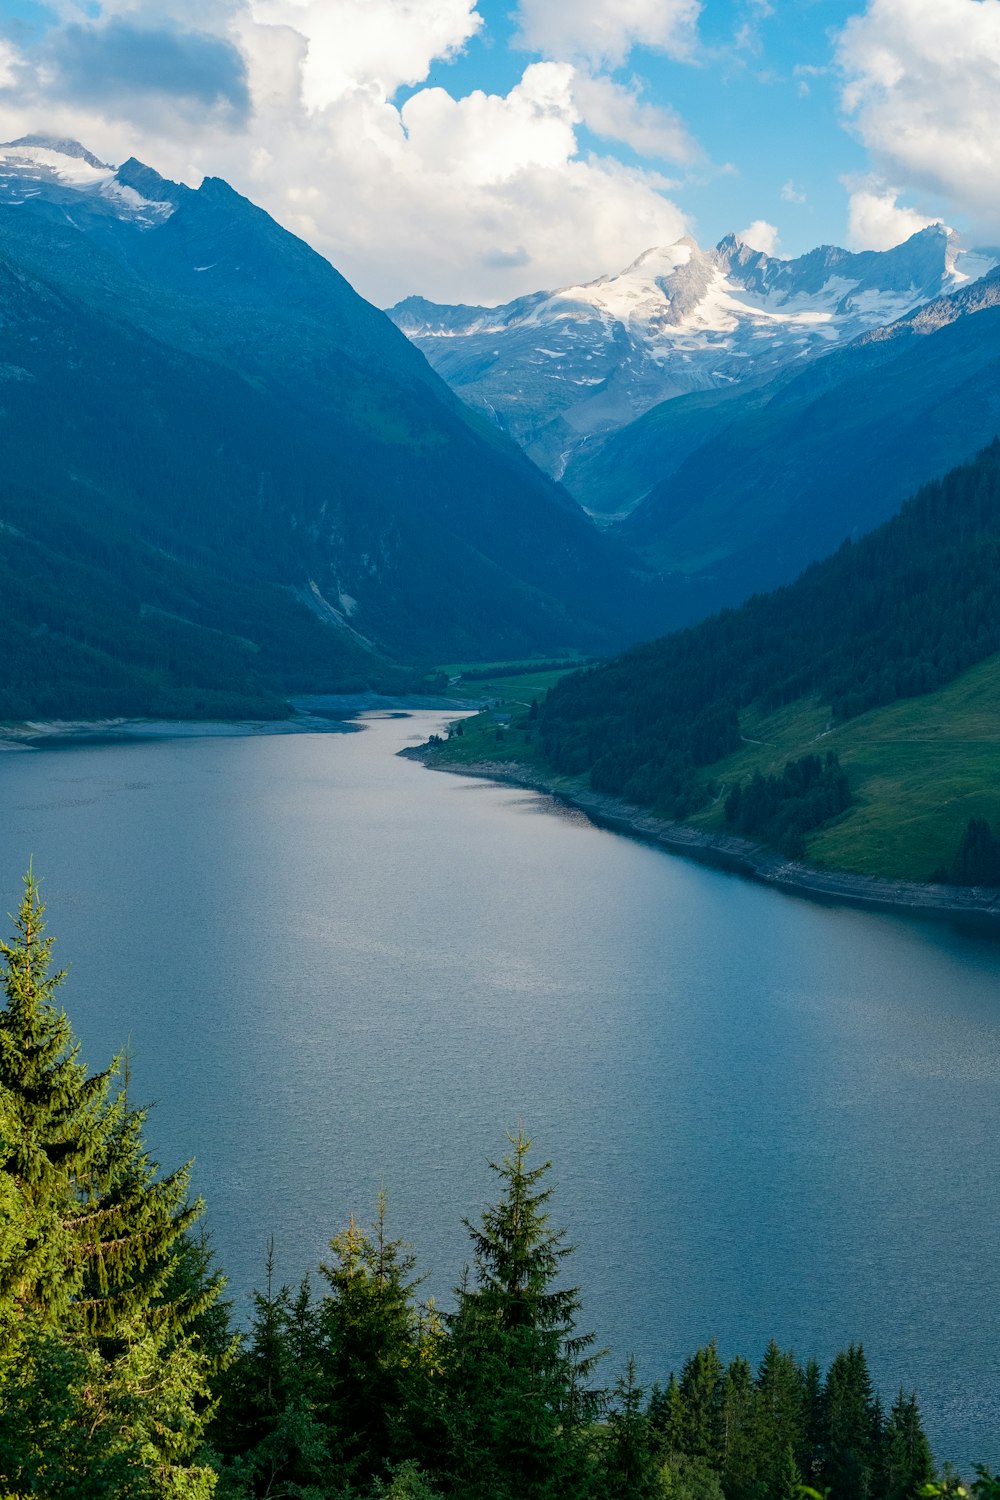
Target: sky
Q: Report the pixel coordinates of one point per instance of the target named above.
(476, 150)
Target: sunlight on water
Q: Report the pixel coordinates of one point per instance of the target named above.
(335, 969)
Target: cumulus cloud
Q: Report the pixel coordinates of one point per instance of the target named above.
(877, 221)
(791, 194)
(382, 43)
(474, 198)
(618, 113)
(760, 235)
(604, 34)
(922, 91)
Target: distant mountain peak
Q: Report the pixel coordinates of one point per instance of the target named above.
(61, 146)
(52, 168)
(556, 369)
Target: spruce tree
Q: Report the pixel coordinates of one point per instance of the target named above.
(849, 1420)
(517, 1371)
(780, 1413)
(369, 1351)
(701, 1389)
(907, 1462)
(104, 1227)
(630, 1467)
(741, 1457)
(105, 1301)
(666, 1414)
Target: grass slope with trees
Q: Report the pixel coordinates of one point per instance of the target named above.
(121, 1378)
(884, 656)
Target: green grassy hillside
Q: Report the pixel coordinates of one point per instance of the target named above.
(919, 769)
(879, 665)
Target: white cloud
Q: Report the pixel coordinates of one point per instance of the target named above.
(760, 235)
(618, 113)
(876, 221)
(602, 33)
(488, 138)
(380, 42)
(922, 90)
(478, 198)
(11, 62)
(791, 194)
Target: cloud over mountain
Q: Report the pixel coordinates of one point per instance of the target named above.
(315, 109)
(922, 91)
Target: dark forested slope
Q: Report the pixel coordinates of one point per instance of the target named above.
(895, 615)
(203, 424)
(741, 491)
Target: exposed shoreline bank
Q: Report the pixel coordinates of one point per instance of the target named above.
(969, 906)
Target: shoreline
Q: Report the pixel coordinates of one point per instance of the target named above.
(329, 713)
(969, 906)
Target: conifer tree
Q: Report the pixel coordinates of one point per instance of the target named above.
(780, 1414)
(740, 1445)
(701, 1389)
(666, 1414)
(104, 1226)
(631, 1471)
(105, 1304)
(907, 1462)
(517, 1370)
(370, 1358)
(849, 1427)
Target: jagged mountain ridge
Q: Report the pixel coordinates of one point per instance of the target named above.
(186, 381)
(741, 494)
(556, 369)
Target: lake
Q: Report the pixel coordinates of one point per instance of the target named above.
(336, 970)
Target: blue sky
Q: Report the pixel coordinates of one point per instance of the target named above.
(478, 149)
(749, 102)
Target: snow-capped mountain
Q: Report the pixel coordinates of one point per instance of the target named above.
(252, 475)
(556, 368)
(64, 172)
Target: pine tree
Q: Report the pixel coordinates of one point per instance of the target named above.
(517, 1370)
(370, 1361)
(631, 1470)
(104, 1226)
(701, 1389)
(907, 1462)
(849, 1427)
(106, 1300)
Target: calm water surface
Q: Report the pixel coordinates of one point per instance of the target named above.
(336, 970)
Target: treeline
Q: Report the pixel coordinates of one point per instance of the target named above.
(120, 1377)
(897, 614)
(781, 810)
(728, 1433)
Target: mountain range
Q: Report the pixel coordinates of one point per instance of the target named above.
(557, 369)
(221, 465)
